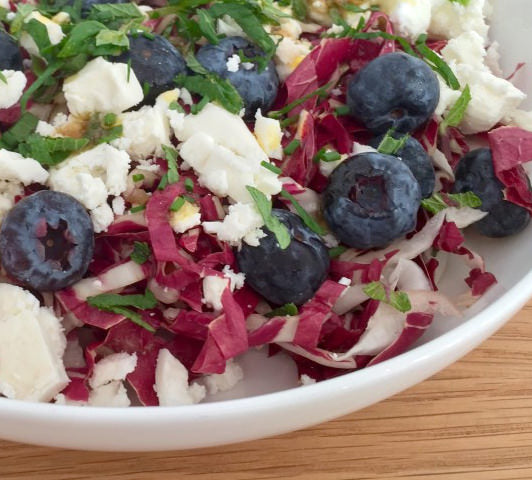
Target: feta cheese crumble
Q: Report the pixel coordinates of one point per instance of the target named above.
(187, 217)
(171, 382)
(225, 154)
(243, 222)
(32, 343)
(11, 90)
(233, 63)
(91, 177)
(223, 382)
(102, 86)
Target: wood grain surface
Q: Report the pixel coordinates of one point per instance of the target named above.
(472, 421)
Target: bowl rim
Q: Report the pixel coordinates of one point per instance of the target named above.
(462, 338)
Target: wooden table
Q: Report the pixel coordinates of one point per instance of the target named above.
(472, 421)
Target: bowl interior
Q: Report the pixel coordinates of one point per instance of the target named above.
(506, 258)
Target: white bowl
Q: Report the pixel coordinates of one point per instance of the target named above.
(252, 416)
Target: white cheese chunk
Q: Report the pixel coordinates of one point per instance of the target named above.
(187, 217)
(4, 4)
(492, 99)
(225, 154)
(410, 18)
(171, 382)
(113, 367)
(53, 29)
(237, 279)
(91, 177)
(102, 86)
(243, 222)
(12, 88)
(8, 192)
(145, 131)
(15, 167)
(225, 381)
(451, 19)
(269, 135)
(112, 394)
(233, 63)
(467, 48)
(32, 343)
(102, 216)
(213, 289)
(519, 118)
(289, 55)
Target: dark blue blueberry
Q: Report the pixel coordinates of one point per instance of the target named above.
(10, 56)
(258, 89)
(86, 5)
(156, 62)
(372, 199)
(292, 275)
(47, 241)
(475, 173)
(417, 159)
(396, 91)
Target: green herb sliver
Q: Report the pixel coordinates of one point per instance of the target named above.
(397, 300)
(457, 111)
(119, 304)
(288, 310)
(303, 214)
(441, 201)
(264, 207)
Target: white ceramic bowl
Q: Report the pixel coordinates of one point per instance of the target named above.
(259, 413)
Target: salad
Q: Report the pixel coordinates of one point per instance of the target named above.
(183, 181)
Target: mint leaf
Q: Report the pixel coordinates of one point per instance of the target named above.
(288, 310)
(397, 300)
(264, 206)
(141, 252)
(112, 37)
(436, 62)
(335, 252)
(119, 304)
(50, 151)
(441, 201)
(391, 145)
(303, 214)
(19, 132)
(457, 111)
(214, 88)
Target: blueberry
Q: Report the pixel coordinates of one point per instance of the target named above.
(258, 89)
(47, 241)
(10, 56)
(371, 200)
(417, 159)
(292, 275)
(156, 62)
(86, 5)
(475, 173)
(396, 91)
